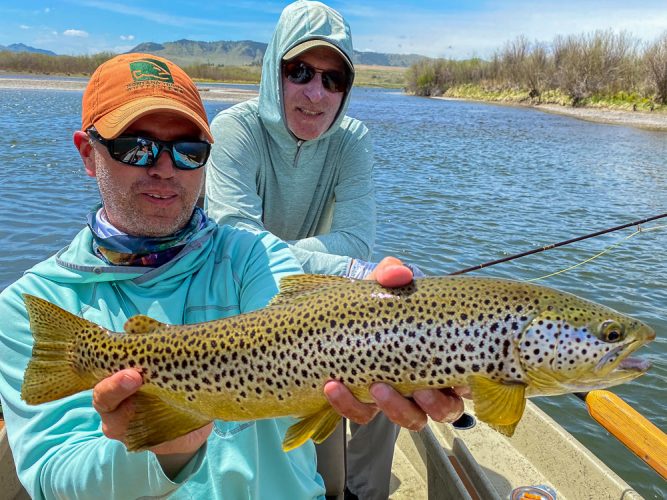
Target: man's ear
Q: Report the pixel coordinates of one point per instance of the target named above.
(85, 148)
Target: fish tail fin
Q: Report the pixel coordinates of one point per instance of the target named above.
(51, 373)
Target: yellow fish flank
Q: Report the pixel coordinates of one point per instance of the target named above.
(507, 340)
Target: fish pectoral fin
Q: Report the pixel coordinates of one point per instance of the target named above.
(498, 404)
(317, 427)
(296, 285)
(142, 324)
(155, 422)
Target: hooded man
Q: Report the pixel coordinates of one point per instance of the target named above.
(293, 163)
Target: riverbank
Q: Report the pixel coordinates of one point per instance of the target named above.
(208, 91)
(638, 119)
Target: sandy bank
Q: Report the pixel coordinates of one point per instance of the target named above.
(208, 92)
(638, 119)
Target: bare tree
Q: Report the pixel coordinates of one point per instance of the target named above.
(655, 59)
(593, 64)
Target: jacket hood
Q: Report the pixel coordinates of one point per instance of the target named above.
(299, 22)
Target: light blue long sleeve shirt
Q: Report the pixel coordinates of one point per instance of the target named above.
(59, 448)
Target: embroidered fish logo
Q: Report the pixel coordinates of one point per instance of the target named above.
(150, 69)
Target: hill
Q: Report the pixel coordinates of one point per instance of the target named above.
(19, 47)
(249, 53)
(223, 53)
(231, 53)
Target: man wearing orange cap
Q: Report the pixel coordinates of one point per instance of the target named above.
(148, 250)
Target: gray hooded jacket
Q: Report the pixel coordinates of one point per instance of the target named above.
(317, 195)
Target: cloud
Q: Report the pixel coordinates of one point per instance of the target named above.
(76, 33)
(24, 27)
(469, 32)
(127, 37)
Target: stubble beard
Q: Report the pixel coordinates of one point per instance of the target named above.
(123, 212)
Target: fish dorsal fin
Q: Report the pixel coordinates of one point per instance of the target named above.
(142, 324)
(299, 285)
(155, 422)
(499, 404)
(317, 427)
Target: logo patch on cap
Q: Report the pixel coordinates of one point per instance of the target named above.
(150, 70)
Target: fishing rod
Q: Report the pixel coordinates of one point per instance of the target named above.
(559, 244)
(625, 423)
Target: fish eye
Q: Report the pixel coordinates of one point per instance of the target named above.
(611, 331)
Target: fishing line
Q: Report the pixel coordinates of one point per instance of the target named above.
(608, 249)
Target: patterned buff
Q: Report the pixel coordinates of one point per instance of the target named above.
(120, 249)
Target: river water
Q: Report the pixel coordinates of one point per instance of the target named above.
(458, 184)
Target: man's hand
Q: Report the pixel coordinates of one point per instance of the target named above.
(441, 405)
(112, 399)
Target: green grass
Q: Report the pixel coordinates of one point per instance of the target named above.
(621, 101)
(379, 76)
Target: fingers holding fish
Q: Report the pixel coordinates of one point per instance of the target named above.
(109, 393)
(111, 401)
(344, 402)
(443, 405)
(391, 273)
(400, 410)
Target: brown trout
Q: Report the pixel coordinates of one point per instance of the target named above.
(507, 340)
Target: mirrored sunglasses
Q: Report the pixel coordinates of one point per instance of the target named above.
(301, 73)
(139, 151)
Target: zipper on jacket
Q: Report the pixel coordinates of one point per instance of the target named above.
(126, 307)
(299, 143)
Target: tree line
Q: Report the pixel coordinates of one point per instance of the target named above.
(602, 66)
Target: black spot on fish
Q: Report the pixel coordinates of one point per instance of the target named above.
(506, 348)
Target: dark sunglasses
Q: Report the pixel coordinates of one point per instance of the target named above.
(301, 73)
(141, 151)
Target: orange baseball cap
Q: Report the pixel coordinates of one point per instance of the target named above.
(130, 86)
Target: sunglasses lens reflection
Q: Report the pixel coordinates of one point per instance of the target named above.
(139, 151)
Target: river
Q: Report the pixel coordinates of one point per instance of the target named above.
(458, 184)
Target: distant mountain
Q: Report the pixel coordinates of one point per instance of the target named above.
(227, 53)
(382, 59)
(189, 52)
(19, 47)
(248, 53)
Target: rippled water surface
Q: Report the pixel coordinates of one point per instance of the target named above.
(458, 184)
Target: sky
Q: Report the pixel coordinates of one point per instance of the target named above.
(456, 29)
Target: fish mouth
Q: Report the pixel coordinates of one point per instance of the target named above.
(618, 364)
(634, 364)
